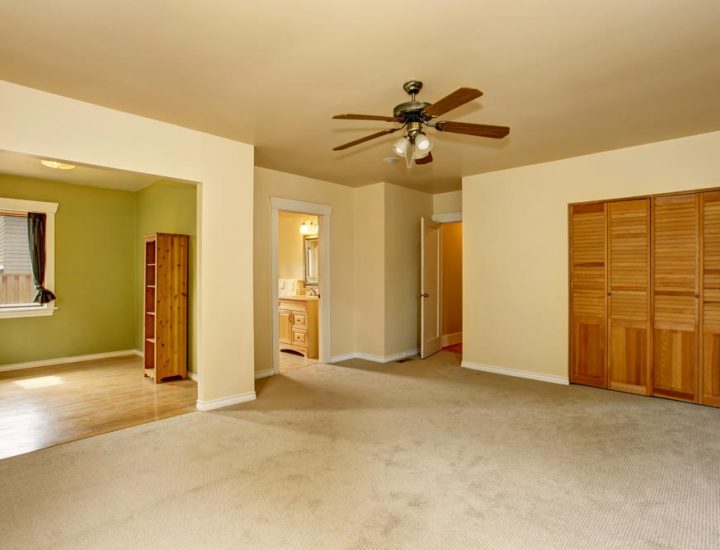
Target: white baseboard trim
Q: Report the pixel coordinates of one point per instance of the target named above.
(373, 357)
(138, 352)
(72, 359)
(552, 378)
(343, 357)
(193, 376)
(213, 404)
(263, 373)
(451, 339)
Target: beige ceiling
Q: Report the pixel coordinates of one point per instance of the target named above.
(29, 166)
(569, 77)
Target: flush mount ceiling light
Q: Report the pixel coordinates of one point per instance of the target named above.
(57, 165)
(309, 228)
(414, 116)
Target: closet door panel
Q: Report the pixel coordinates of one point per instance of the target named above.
(710, 379)
(628, 288)
(588, 308)
(675, 288)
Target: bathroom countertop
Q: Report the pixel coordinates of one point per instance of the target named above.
(299, 298)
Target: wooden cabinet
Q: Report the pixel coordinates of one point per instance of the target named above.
(645, 295)
(165, 306)
(298, 326)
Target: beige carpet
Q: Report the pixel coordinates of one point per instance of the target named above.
(411, 455)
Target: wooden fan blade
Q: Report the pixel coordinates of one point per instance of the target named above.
(366, 117)
(364, 139)
(482, 130)
(425, 160)
(459, 97)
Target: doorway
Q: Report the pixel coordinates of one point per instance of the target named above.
(300, 282)
(441, 287)
(451, 314)
(299, 289)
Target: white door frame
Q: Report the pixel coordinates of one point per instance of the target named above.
(322, 211)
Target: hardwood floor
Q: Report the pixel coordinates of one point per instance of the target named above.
(46, 406)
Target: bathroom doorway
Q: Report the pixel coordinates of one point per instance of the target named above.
(451, 314)
(300, 282)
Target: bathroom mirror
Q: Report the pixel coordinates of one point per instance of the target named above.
(311, 261)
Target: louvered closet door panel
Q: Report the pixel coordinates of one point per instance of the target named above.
(588, 295)
(710, 378)
(675, 288)
(628, 290)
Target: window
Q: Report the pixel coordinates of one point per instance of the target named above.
(17, 288)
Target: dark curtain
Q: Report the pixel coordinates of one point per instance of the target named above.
(36, 238)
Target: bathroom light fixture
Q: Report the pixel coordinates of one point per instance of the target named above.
(57, 165)
(309, 228)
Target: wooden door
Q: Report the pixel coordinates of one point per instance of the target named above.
(430, 337)
(588, 295)
(675, 296)
(710, 351)
(629, 341)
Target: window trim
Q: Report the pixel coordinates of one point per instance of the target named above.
(49, 209)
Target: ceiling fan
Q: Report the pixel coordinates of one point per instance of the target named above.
(414, 115)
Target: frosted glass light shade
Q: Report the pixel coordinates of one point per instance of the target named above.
(401, 146)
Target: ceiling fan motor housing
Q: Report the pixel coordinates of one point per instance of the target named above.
(410, 110)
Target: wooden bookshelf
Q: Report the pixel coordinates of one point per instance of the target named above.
(165, 306)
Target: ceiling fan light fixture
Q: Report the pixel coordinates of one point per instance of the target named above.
(419, 154)
(423, 144)
(400, 147)
(413, 116)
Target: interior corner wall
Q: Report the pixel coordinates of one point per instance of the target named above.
(403, 210)
(369, 239)
(167, 207)
(51, 126)
(271, 183)
(94, 259)
(515, 245)
(446, 203)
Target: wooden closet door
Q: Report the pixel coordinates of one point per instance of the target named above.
(675, 293)
(710, 379)
(629, 296)
(588, 295)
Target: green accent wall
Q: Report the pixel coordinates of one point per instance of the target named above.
(95, 254)
(98, 267)
(167, 207)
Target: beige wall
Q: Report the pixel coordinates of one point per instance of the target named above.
(444, 203)
(48, 125)
(403, 210)
(515, 248)
(291, 251)
(370, 269)
(270, 183)
(451, 247)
